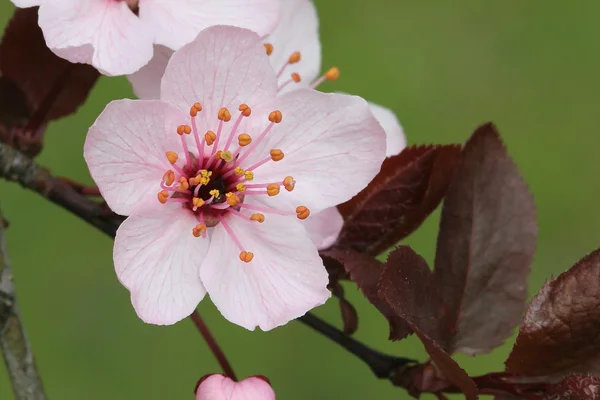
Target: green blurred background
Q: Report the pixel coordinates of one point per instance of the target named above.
(444, 67)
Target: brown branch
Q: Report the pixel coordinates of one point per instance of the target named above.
(18, 356)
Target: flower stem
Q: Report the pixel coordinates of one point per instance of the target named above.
(213, 345)
(18, 356)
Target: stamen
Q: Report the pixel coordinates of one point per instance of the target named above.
(276, 155)
(226, 156)
(215, 193)
(196, 108)
(239, 171)
(258, 217)
(275, 117)
(245, 111)
(172, 157)
(289, 183)
(199, 230)
(246, 256)
(265, 209)
(240, 187)
(302, 212)
(224, 114)
(293, 59)
(296, 77)
(232, 199)
(197, 202)
(162, 196)
(331, 75)
(244, 139)
(169, 177)
(210, 137)
(185, 130)
(273, 189)
(269, 48)
(183, 184)
(249, 175)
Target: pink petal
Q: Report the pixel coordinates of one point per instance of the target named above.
(146, 81)
(285, 279)
(27, 3)
(157, 258)
(178, 23)
(106, 34)
(333, 148)
(298, 30)
(219, 387)
(125, 150)
(324, 227)
(396, 140)
(223, 67)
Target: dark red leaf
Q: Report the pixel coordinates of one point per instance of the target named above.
(485, 247)
(561, 330)
(52, 86)
(406, 286)
(349, 316)
(365, 270)
(406, 190)
(574, 387)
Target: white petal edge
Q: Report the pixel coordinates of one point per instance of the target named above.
(125, 150)
(395, 137)
(146, 81)
(324, 227)
(285, 279)
(178, 23)
(157, 259)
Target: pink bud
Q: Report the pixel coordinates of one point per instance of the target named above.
(219, 387)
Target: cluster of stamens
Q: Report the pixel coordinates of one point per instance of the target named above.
(212, 183)
(331, 75)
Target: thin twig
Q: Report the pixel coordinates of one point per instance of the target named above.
(213, 345)
(18, 356)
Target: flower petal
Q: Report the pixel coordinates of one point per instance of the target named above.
(219, 387)
(106, 34)
(146, 81)
(125, 150)
(333, 148)
(285, 279)
(27, 3)
(324, 227)
(157, 258)
(396, 140)
(178, 23)
(223, 67)
(298, 30)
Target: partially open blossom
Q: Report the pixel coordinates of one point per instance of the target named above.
(218, 179)
(117, 36)
(219, 387)
(294, 49)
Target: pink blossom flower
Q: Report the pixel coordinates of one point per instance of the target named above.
(219, 387)
(295, 52)
(219, 175)
(116, 36)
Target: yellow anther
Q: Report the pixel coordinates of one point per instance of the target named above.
(169, 178)
(210, 137)
(269, 48)
(240, 187)
(194, 180)
(226, 156)
(232, 199)
(294, 58)
(296, 77)
(197, 202)
(302, 212)
(199, 230)
(332, 74)
(204, 180)
(218, 154)
(258, 217)
(246, 256)
(239, 171)
(183, 184)
(205, 173)
(289, 183)
(163, 195)
(273, 189)
(249, 175)
(215, 193)
(184, 129)
(275, 116)
(276, 154)
(224, 115)
(244, 139)
(195, 109)
(245, 110)
(172, 157)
